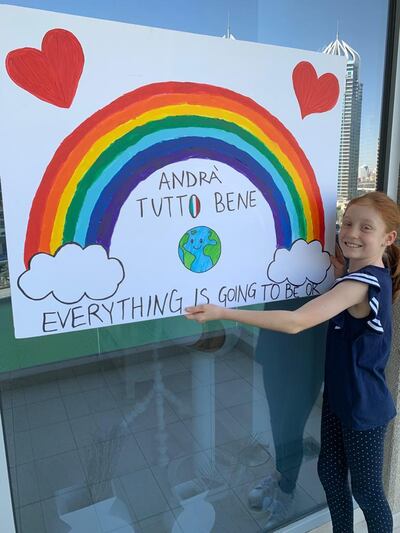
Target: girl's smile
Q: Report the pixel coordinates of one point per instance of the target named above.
(363, 236)
(352, 244)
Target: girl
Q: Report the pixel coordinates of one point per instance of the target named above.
(357, 405)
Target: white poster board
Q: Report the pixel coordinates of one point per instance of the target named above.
(145, 170)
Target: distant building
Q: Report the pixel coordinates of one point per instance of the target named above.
(3, 252)
(228, 34)
(351, 120)
(363, 172)
(378, 153)
(367, 183)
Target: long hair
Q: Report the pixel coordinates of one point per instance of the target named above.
(390, 214)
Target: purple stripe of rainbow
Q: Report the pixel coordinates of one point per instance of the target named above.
(106, 211)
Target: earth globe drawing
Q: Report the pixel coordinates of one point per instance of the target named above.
(199, 249)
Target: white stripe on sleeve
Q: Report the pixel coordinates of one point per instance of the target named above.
(375, 327)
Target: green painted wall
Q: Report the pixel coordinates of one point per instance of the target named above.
(25, 353)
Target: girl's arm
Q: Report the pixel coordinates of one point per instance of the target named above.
(341, 297)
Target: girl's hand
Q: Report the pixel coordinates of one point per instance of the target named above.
(205, 312)
(338, 262)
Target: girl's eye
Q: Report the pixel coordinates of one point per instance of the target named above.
(367, 228)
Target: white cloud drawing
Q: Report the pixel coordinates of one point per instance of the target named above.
(304, 261)
(72, 273)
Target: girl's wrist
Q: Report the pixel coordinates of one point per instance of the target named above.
(224, 313)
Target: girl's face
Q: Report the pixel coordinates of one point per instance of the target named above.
(363, 236)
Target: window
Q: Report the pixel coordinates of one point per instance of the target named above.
(168, 422)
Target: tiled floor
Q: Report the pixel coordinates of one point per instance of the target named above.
(171, 445)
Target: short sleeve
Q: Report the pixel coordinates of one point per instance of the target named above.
(374, 291)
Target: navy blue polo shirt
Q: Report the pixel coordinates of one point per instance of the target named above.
(357, 351)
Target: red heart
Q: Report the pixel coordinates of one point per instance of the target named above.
(52, 74)
(315, 95)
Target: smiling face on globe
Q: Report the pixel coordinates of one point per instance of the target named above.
(199, 249)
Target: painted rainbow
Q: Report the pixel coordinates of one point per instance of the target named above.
(100, 163)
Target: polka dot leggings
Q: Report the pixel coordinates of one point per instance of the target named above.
(360, 453)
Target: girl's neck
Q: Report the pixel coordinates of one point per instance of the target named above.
(355, 264)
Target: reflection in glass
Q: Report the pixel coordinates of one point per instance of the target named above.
(292, 367)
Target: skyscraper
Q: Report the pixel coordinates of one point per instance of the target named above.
(228, 34)
(351, 120)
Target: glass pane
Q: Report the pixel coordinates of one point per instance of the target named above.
(166, 425)
(341, 28)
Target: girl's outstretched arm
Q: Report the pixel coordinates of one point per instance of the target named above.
(322, 308)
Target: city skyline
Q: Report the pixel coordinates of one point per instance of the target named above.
(362, 24)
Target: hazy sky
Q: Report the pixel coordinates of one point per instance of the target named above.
(307, 24)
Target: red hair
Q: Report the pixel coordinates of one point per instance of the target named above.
(389, 211)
